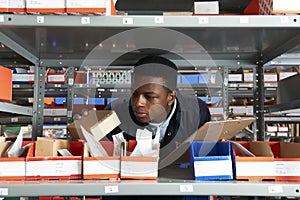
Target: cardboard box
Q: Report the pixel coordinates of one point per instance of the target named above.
(41, 166)
(212, 161)
(287, 160)
(257, 167)
(5, 84)
(99, 123)
(102, 167)
(15, 6)
(137, 167)
(45, 6)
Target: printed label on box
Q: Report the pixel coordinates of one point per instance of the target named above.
(255, 168)
(213, 168)
(101, 167)
(139, 169)
(12, 168)
(287, 168)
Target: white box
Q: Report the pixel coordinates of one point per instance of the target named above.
(210, 7)
(286, 6)
(12, 5)
(270, 77)
(45, 6)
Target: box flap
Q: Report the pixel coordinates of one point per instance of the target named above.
(289, 150)
(99, 123)
(260, 148)
(49, 147)
(3, 148)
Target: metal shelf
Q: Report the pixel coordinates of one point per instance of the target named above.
(148, 187)
(52, 40)
(16, 109)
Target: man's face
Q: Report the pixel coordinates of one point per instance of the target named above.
(150, 100)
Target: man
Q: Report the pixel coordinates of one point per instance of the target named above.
(157, 105)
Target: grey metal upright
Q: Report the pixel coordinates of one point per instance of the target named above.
(38, 104)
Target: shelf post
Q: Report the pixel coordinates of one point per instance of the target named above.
(259, 101)
(38, 104)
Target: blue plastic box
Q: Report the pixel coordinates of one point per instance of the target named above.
(212, 161)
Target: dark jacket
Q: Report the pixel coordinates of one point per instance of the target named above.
(190, 114)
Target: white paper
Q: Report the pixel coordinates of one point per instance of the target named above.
(16, 148)
(94, 167)
(144, 143)
(95, 147)
(119, 142)
(64, 152)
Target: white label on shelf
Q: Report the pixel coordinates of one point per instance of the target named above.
(127, 20)
(3, 191)
(275, 189)
(40, 19)
(244, 20)
(284, 19)
(186, 188)
(111, 189)
(57, 85)
(71, 81)
(16, 86)
(1, 18)
(85, 20)
(159, 19)
(203, 20)
(14, 120)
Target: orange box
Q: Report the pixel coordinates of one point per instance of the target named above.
(102, 167)
(15, 6)
(5, 84)
(12, 168)
(261, 166)
(102, 7)
(136, 167)
(55, 167)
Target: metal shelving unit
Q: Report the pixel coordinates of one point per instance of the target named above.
(63, 41)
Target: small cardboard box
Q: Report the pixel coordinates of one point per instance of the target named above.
(259, 166)
(137, 167)
(102, 167)
(287, 160)
(99, 123)
(5, 84)
(44, 166)
(15, 6)
(212, 161)
(45, 6)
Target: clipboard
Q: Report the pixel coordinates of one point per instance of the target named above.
(212, 131)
